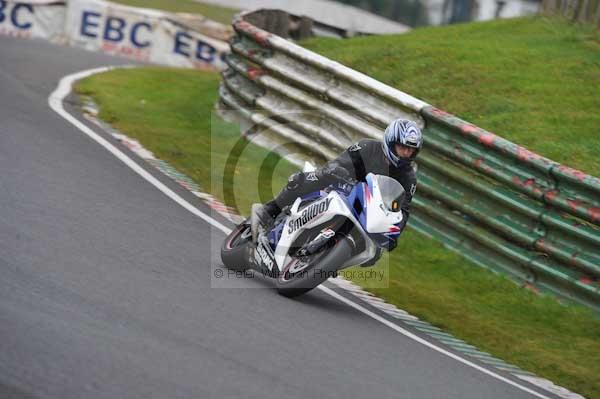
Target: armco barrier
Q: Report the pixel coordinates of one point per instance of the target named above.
(497, 203)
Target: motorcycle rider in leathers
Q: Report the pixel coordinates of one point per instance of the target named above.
(394, 156)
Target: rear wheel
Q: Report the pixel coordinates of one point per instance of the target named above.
(236, 249)
(302, 274)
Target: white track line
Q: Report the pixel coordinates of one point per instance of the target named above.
(56, 103)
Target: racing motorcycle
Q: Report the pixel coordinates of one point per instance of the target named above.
(342, 225)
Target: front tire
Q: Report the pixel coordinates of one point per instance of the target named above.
(236, 249)
(297, 278)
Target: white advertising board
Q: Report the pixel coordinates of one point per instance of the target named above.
(140, 34)
(33, 19)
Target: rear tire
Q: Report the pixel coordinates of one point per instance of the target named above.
(291, 283)
(236, 248)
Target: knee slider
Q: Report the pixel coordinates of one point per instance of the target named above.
(295, 181)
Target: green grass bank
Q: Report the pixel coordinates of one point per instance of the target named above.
(171, 112)
(534, 81)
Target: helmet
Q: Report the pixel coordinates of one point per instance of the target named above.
(403, 132)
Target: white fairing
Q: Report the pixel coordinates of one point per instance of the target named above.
(312, 215)
(379, 220)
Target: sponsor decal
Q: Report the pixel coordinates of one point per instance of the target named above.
(308, 214)
(262, 255)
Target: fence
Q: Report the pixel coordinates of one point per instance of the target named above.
(498, 204)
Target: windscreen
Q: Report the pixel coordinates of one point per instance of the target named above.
(392, 192)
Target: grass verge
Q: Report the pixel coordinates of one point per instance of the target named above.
(534, 81)
(216, 13)
(170, 112)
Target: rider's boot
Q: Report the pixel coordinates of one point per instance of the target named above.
(263, 216)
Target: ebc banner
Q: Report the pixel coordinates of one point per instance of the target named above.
(141, 34)
(32, 19)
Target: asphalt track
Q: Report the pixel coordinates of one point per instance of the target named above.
(105, 284)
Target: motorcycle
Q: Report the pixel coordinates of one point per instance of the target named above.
(342, 225)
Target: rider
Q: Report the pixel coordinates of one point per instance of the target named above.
(402, 141)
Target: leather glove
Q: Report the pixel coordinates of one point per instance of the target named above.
(334, 171)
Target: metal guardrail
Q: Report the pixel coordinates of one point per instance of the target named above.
(498, 204)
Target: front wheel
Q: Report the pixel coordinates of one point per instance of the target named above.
(302, 274)
(236, 249)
